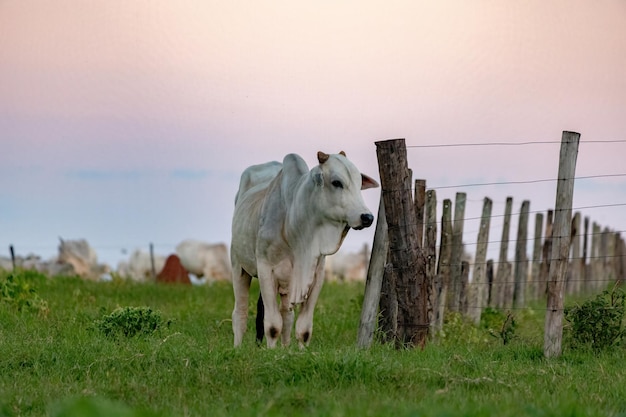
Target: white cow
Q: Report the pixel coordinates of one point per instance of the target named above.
(139, 266)
(287, 220)
(205, 259)
(348, 266)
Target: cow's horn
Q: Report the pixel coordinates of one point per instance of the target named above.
(342, 153)
(322, 157)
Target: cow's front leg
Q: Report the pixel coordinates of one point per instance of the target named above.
(304, 323)
(287, 313)
(273, 322)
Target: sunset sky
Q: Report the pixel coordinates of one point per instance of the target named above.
(129, 122)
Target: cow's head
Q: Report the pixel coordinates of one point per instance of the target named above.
(340, 185)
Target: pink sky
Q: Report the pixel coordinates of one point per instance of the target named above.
(129, 122)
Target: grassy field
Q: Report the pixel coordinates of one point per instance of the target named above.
(55, 361)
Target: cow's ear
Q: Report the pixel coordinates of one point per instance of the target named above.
(368, 182)
(342, 153)
(318, 177)
(322, 157)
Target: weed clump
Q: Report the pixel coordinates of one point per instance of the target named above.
(18, 291)
(597, 324)
(499, 325)
(131, 321)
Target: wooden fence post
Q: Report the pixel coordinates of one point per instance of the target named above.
(152, 268)
(430, 252)
(443, 264)
(536, 266)
(546, 256)
(12, 250)
(456, 278)
(605, 254)
(489, 273)
(521, 258)
(561, 243)
(596, 262)
(502, 278)
(369, 311)
(420, 202)
(479, 299)
(465, 289)
(407, 259)
(621, 259)
(586, 285)
(574, 281)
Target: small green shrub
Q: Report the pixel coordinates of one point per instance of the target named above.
(131, 321)
(597, 323)
(17, 289)
(459, 330)
(498, 324)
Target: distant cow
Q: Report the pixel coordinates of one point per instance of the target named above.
(348, 266)
(81, 257)
(286, 220)
(205, 259)
(139, 266)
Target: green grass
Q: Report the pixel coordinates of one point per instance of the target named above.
(56, 362)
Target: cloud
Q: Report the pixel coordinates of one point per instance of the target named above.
(104, 175)
(186, 174)
(190, 174)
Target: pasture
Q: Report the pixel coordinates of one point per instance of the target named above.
(54, 361)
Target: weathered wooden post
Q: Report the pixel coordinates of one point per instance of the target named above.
(369, 311)
(574, 282)
(420, 202)
(12, 250)
(502, 276)
(586, 285)
(536, 266)
(561, 243)
(621, 259)
(595, 260)
(489, 281)
(546, 256)
(605, 256)
(152, 268)
(456, 278)
(443, 264)
(464, 292)
(430, 251)
(407, 259)
(521, 258)
(479, 294)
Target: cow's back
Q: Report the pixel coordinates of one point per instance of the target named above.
(256, 175)
(253, 187)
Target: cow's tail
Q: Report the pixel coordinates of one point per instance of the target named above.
(260, 314)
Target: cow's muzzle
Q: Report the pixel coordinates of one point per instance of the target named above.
(366, 221)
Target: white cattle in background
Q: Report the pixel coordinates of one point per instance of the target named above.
(208, 260)
(287, 220)
(139, 266)
(348, 266)
(81, 257)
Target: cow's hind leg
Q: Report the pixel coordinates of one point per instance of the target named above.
(260, 315)
(241, 288)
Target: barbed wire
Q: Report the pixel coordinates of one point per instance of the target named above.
(524, 143)
(535, 181)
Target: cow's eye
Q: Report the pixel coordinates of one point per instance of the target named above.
(337, 184)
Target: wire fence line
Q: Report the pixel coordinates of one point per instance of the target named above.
(586, 177)
(524, 143)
